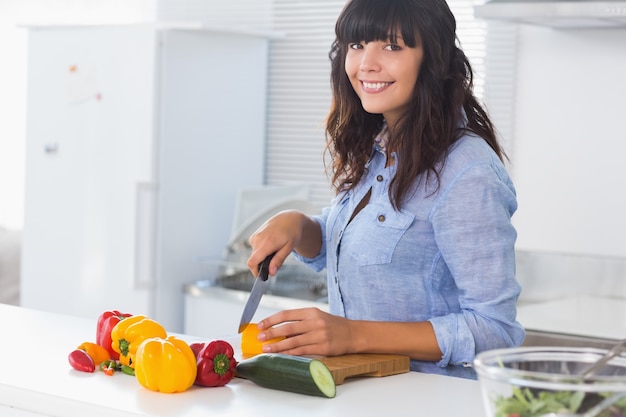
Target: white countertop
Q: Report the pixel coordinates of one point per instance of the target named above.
(592, 316)
(35, 377)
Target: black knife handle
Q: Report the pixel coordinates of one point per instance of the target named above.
(264, 267)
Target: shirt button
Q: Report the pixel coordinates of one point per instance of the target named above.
(379, 178)
(381, 217)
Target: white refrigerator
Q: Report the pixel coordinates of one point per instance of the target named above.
(138, 139)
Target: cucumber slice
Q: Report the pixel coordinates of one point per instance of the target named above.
(323, 378)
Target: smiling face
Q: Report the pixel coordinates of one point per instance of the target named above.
(383, 75)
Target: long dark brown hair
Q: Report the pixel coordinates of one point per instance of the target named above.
(433, 120)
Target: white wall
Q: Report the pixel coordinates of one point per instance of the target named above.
(569, 162)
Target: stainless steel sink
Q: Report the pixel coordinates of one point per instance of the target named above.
(292, 281)
(538, 338)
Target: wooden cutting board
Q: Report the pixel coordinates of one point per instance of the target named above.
(365, 364)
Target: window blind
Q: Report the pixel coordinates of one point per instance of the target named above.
(500, 70)
(299, 95)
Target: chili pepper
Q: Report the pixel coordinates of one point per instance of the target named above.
(216, 364)
(127, 370)
(95, 351)
(129, 333)
(106, 322)
(109, 367)
(81, 361)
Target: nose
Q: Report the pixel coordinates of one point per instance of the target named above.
(369, 59)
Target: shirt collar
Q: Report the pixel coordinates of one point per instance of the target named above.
(380, 142)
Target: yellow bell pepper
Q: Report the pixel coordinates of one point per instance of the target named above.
(95, 352)
(129, 333)
(165, 365)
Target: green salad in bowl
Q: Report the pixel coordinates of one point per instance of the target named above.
(537, 381)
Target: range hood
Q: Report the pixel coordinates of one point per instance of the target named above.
(557, 13)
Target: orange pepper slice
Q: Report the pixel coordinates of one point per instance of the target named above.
(95, 352)
(250, 345)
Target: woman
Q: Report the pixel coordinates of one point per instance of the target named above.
(418, 243)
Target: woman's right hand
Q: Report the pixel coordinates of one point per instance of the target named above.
(282, 233)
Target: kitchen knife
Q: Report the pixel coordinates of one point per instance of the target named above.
(255, 294)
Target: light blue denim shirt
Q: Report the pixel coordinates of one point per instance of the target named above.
(447, 257)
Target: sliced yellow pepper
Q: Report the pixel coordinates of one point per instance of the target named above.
(250, 345)
(165, 365)
(129, 333)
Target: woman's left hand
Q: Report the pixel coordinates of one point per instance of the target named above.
(308, 331)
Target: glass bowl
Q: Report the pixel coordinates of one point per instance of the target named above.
(536, 381)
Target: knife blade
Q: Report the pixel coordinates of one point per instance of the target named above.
(256, 293)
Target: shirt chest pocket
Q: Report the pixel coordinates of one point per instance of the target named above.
(378, 234)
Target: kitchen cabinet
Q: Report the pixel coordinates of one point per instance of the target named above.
(567, 162)
(557, 14)
(138, 138)
(566, 138)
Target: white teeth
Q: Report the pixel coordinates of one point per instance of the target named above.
(376, 86)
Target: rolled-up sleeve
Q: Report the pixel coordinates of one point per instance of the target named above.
(473, 230)
(317, 263)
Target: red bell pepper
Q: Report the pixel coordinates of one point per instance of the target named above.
(106, 322)
(196, 348)
(216, 363)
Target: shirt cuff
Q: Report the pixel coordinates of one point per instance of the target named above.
(455, 340)
(318, 262)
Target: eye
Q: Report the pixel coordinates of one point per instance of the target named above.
(393, 47)
(355, 45)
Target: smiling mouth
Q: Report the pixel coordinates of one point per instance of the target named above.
(375, 86)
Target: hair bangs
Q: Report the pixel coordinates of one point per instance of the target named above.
(377, 20)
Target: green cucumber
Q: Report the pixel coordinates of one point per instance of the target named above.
(288, 373)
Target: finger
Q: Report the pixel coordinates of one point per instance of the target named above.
(285, 316)
(308, 343)
(279, 259)
(261, 248)
(313, 350)
(256, 258)
(253, 264)
(297, 332)
(288, 344)
(269, 322)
